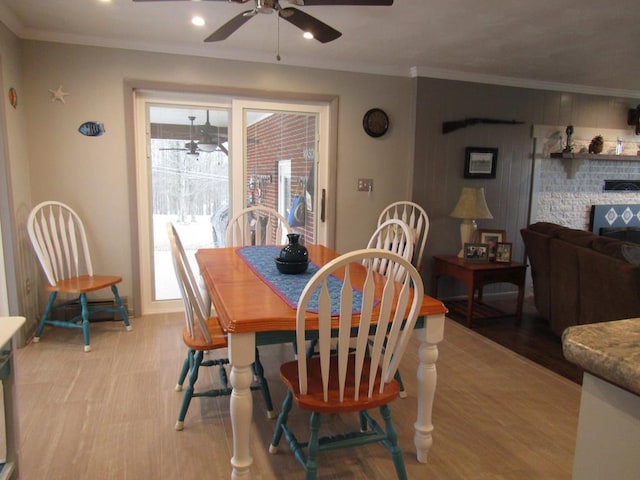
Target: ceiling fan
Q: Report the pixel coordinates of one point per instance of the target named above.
(305, 22)
(191, 147)
(210, 136)
(209, 140)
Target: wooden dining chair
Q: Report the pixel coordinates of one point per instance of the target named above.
(201, 334)
(356, 378)
(60, 243)
(395, 236)
(415, 216)
(257, 225)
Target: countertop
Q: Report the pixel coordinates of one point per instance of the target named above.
(610, 350)
(8, 327)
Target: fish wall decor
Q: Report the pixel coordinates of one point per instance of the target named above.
(91, 129)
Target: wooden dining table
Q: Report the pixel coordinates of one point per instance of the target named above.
(253, 313)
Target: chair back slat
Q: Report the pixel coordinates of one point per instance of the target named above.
(395, 236)
(257, 225)
(196, 304)
(389, 318)
(415, 216)
(59, 240)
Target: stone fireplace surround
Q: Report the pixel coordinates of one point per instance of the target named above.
(563, 192)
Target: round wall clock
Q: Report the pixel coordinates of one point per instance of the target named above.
(375, 122)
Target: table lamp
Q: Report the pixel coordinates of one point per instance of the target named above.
(471, 206)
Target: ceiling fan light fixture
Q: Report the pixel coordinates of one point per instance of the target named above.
(207, 147)
(308, 35)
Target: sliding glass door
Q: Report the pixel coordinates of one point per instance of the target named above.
(201, 159)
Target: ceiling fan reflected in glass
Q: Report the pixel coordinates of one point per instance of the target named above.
(191, 147)
(209, 140)
(302, 20)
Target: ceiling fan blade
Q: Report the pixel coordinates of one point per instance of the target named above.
(231, 26)
(234, 1)
(305, 22)
(373, 3)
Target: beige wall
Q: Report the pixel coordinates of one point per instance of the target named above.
(93, 174)
(15, 198)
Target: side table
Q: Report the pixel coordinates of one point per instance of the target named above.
(475, 276)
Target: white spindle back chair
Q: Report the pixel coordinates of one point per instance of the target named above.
(358, 377)
(257, 225)
(60, 243)
(415, 216)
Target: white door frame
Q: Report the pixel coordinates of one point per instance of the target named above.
(325, 162)
(325, 167)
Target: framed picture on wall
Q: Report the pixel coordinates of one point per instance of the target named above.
(491, 238)
(480, 162)
(503, 252)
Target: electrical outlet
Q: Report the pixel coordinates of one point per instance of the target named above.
(28, 286)
(365, 184)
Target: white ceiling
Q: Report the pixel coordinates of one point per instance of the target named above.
(577, 45)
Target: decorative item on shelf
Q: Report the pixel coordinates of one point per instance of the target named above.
(596, 145)
(471, 206)
(569, 146)
(294, 257)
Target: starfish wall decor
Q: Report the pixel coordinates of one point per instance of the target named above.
(58, 94)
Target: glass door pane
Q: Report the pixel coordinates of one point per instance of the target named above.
(189, 174)
(281, 146)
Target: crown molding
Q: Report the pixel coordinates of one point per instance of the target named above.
(520, 82)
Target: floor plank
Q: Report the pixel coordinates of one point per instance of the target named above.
(109, 414)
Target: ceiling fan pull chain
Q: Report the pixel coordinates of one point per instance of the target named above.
(278, 39)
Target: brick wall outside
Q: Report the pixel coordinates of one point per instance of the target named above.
(281, 136)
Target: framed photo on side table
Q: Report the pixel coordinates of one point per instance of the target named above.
(480, 162)
(476, 252)
(491, 237)
(503, 252)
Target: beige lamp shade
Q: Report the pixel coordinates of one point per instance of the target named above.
(471, 205)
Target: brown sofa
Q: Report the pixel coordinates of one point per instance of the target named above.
(580, 277)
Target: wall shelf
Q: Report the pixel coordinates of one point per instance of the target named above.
(573, 161)
(595, 156)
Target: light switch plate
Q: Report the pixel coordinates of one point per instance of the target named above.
(365, 184)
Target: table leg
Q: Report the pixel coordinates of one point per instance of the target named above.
(429, 337)
(241, 355)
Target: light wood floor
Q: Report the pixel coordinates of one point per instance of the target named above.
(109, 414)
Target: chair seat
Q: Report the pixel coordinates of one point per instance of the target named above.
(83, 283)
(198, 342)
(314, 399)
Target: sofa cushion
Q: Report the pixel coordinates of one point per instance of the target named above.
(537, 248)
(546, 228)
(609, 288)
(608, 246)
(581, 238)
(631, 253)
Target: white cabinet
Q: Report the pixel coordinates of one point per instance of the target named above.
(9, 438)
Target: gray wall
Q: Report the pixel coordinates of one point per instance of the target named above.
(439, 158)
